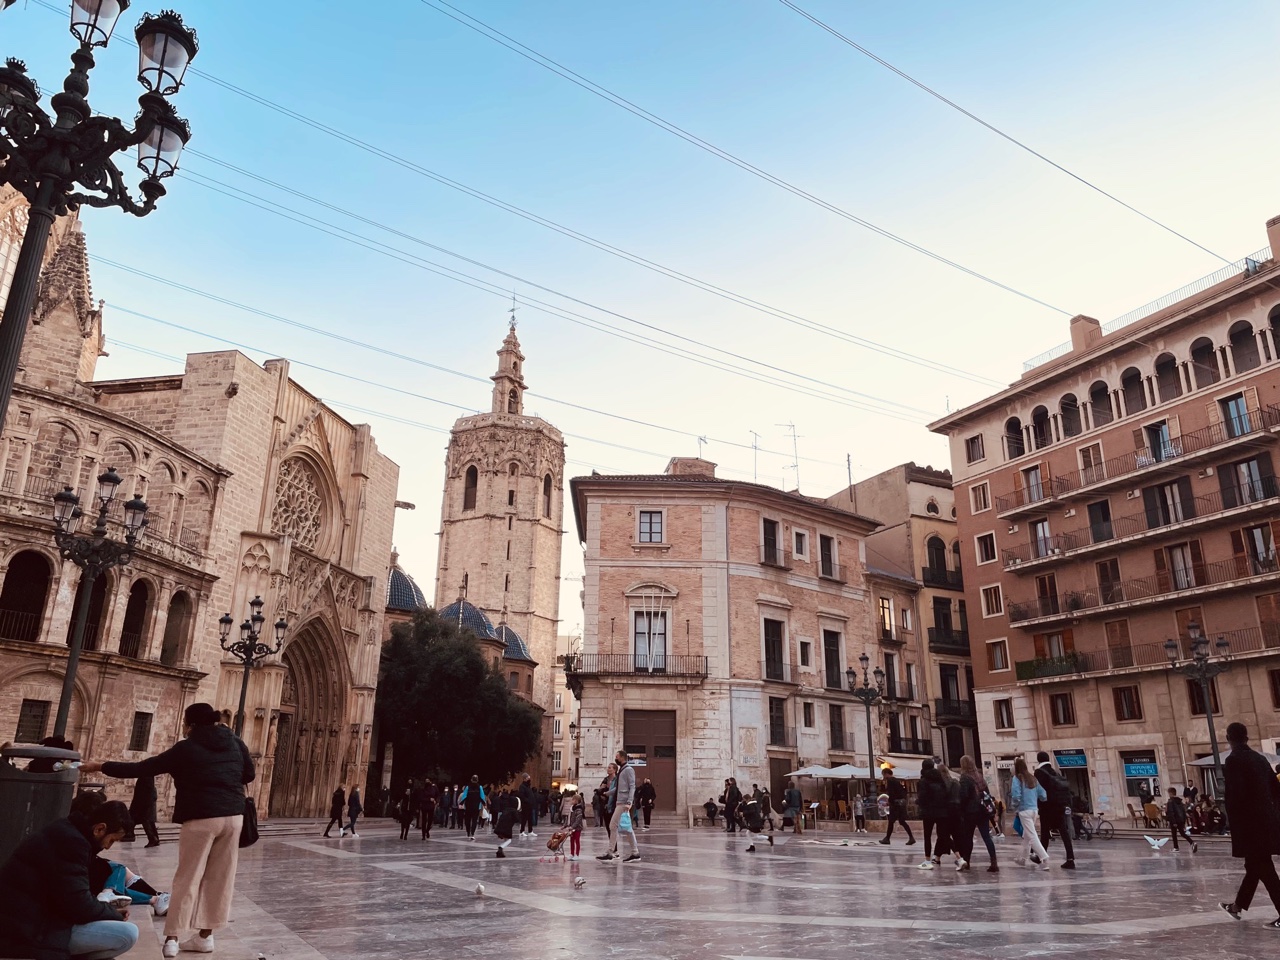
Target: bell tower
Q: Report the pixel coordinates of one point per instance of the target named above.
(508, 382)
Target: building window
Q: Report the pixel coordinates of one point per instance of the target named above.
(506, 583)
(1128, 702)
(511, 498)
(556, 759)
(980, 497)
(1110, 587)
(835, 715)
(973, 449)
(1004, 714)
(1274, 676)
(905, 613)
(1062, 710)
(508, 549)
(650, 526)
(770, 548)
(806, 653)
(992, 601)
(1033, 484)
(469, 486)
(1235, 415)
(1254, 550)
(807, 711)
(1041, 538)
(513, 681)
(911, 681)
(1159, 442)
(1054, 646)
(931, 508)
(650, 639)
(801, 545)
(775, 652)
(559, 702)
(886, 618)
(33, 718)
(1195, 693)
(827, 556)
(555, 728)
(997, 655)
(140, 735)
(831, 659)
(546, 496)
(987, 548)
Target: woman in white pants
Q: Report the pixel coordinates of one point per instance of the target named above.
(1027, 797)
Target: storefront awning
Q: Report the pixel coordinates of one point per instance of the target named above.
(905, 768)
(847, 771)
(1208, 761)
(813, 770)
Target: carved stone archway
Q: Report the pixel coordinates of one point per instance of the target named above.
(311, 740)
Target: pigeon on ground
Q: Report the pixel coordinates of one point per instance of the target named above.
(479, 889)
(1155, 844)
(580, 883)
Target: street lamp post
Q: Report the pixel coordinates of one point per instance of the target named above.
(93, 553)
(63, 161)
(249, 648)
(870, 696)
(1201, 669)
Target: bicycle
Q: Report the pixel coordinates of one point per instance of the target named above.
(1095, 824)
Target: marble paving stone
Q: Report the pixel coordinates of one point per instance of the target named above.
(698, 895)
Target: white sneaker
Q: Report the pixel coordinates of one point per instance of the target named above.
(170, 948)
(532, 835)
(522, 834)
(927, 865)
(197, 944)
(961, 864)
(160, 904)
(342, 833)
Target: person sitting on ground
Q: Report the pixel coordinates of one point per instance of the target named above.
(47, 909)
(106, 877)
(712, 809)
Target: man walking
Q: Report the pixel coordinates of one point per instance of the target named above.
(142, 808)
(1175, 811)
(427, 808)
(1253, 810)
(471, 800)
(732, 797)
(647, 796)
(528, 806)
(897, 805)
(621, 793)
(1053, 812)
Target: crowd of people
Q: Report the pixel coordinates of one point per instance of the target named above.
(61, 897)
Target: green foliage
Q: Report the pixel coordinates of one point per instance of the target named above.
(447, 710)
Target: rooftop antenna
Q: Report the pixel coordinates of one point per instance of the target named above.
(701, 441)
(853, 493)
(755, 455)
(795, 450)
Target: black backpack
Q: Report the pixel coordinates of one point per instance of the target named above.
(1059, 790)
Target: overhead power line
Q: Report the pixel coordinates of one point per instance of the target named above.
(570, 232)
(547, 63)
(556, 310)
(994, 129)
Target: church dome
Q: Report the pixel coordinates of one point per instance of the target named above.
(402, 592)
(517, 649)
(469, 617)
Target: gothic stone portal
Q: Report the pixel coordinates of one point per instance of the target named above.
(310, 753)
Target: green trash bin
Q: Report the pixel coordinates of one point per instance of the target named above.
(31, 800)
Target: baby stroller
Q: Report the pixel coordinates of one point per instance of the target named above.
(555, 844)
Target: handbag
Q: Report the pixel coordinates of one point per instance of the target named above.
(624, 821)
(249, 828)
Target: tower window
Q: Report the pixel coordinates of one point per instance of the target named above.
(508, 549)
(511, 498)
(513, 401)
(469, 488)
(506, 584)
(546, 495)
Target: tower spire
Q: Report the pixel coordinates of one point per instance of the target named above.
(508, 382)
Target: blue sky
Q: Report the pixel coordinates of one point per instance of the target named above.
(1159, 104)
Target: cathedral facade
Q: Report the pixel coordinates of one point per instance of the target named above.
(255, 488)
(501, 524)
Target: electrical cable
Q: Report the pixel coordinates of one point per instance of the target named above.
(497, 36)
(994, 129)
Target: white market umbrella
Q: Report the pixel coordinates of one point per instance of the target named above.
(813, 770)
(1208, 761)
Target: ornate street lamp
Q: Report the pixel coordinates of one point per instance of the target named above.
(93, 553)
(870, 697)
(63, 160)
(249, 648)
(1201, 669)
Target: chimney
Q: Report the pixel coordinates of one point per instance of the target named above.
(1273, 235)
(690, 467)
(1085, 333)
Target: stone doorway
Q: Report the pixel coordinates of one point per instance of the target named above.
(651, 735)
(311, 743)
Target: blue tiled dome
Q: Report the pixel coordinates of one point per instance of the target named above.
(403, 593)
(467, 616)
(516, 647)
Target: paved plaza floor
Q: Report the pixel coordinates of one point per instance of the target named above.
(698, 895)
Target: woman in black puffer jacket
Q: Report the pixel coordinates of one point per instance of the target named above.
(209, 769)
(932, 798)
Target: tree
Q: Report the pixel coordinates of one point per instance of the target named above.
(447, 710)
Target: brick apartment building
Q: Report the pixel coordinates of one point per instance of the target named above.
(1120, 494)
(719, 620)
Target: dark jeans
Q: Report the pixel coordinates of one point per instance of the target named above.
(731, 818)
(860, 821)
(428, 818)
(1258, 866)
(405, 824)
(469, 820)
(1179, 830)
(930, 824)
(1055, 818)
(526, 820)
(334, 819)
(983, 825)
(648, 812)
(898, 814)
(149, 828)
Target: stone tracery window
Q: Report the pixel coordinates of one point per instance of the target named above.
(299, 506)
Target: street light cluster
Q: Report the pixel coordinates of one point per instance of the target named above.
(249, 648)
(62, 159)
(1202, 670)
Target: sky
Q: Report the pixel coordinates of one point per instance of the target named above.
(285, 240)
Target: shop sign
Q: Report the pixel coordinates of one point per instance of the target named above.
(1071, 758)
